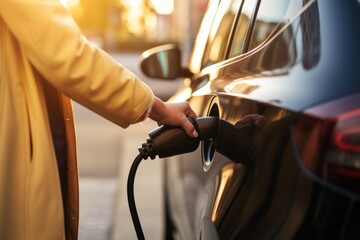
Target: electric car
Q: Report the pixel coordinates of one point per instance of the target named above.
(283, 79)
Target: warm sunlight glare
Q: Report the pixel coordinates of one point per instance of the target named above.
(163, 7)
(133, 2)
(72, 3)
(63, 2)
(226, 175)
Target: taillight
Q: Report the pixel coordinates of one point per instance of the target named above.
(347, 135)
(328, 141)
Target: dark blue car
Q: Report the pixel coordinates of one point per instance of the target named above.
(283, 77)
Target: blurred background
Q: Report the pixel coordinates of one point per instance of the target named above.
(136, 25)
(124, 29)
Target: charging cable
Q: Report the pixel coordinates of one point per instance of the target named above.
(167, 141)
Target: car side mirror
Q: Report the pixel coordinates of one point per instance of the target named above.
(163, 62)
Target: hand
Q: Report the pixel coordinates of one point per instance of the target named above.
(173, 114)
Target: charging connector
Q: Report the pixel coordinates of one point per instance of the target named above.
(167, 141)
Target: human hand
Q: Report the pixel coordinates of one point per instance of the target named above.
(173, 114)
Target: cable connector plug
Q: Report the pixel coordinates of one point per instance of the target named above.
(167, 141)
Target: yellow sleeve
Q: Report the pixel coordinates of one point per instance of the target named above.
(55, 46)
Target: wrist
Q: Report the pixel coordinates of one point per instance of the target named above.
(157, 110)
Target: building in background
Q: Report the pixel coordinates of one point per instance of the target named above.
(136, 25)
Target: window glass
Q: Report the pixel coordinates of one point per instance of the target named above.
(202, 36)
(241, 28)
(217, 41)
(270, 17)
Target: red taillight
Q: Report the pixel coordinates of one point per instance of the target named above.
(348, 131)
(349, 140)
(328, 140)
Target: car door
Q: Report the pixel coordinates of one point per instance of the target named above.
(211, 178)
(210, 50)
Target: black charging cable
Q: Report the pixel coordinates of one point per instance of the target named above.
(167, 141)
(131, 197)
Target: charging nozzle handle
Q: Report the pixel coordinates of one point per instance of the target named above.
(167, 141)
(207, 127)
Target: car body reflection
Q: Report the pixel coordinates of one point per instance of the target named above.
(286, 161)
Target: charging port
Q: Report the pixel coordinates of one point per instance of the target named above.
(208, 147)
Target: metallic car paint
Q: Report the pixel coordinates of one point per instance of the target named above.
(269, 195)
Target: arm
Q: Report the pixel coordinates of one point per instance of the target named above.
(55, 47)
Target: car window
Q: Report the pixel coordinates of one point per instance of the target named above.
(222, 25)
(237, 46)
(269, 18)
(202, 36)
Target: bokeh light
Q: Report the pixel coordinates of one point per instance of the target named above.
(163, 7)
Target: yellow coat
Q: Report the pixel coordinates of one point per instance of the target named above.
(39, 40)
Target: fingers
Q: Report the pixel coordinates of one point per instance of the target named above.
(190, 113)
(187, 125)
(174, 114)
(189, 128)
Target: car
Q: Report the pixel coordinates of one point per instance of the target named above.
(283, 79)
